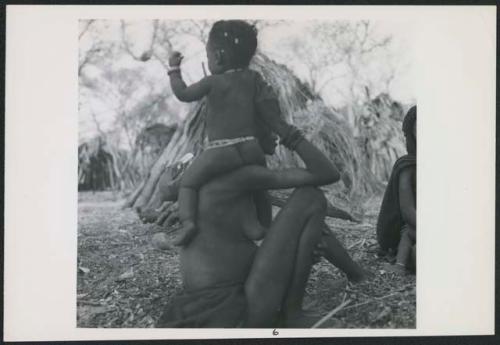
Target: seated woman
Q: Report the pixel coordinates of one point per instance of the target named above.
(229, 281)
(397, 223)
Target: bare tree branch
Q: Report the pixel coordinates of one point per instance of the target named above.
(86, 28)
(88, 56)
(376, 45)
(125, 42)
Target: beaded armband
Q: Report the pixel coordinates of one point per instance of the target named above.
(293, 139)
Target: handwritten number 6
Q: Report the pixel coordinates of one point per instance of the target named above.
(275, 332)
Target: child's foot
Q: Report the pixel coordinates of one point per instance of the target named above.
(185, 234)
(397, 268)
(160, 241)
(149, 215)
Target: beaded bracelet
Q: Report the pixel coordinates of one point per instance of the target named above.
(175, 69)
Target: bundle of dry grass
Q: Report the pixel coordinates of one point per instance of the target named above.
(379, 135)
(149, 145)
(323, 125)
(103, 165)
(189, 137)
(97, 169)
(155, 138)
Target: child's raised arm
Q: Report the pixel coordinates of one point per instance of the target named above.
(183, 92)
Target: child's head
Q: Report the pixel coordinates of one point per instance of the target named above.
(410, 130)
(231, 44)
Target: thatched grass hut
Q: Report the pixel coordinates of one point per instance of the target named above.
(97, 166)
(104, 166)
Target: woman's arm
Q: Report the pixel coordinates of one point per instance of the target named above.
(407, 198)
(193, 92)
(319, 171)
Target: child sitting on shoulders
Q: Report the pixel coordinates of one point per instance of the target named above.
(237, 98)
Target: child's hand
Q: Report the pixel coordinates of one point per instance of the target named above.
(146, 55)
(175, 59)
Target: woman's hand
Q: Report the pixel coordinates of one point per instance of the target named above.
(175, 59)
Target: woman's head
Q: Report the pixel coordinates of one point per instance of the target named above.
(410, 130)
(231, 44)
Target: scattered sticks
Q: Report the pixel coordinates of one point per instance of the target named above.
(333, 312)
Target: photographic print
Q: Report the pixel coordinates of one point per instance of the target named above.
(246, 173)
(239, 172)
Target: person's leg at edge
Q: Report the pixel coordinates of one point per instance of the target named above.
(292, 313)
(413, 259)
(404, 251)
(282, 263)
(338, 256)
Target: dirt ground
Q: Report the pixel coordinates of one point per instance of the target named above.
(124, 282)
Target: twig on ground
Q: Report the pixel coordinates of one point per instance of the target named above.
(330, 314)
(354, 244)
(172, 229)
(366, 302)
(362, 242)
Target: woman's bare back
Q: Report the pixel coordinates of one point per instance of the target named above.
(221, 253)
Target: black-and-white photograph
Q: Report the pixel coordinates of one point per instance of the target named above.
(246, 173)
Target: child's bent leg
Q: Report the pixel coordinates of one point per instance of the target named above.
(251, 154)
(264, 216)
(209, 164)
(188, 202)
